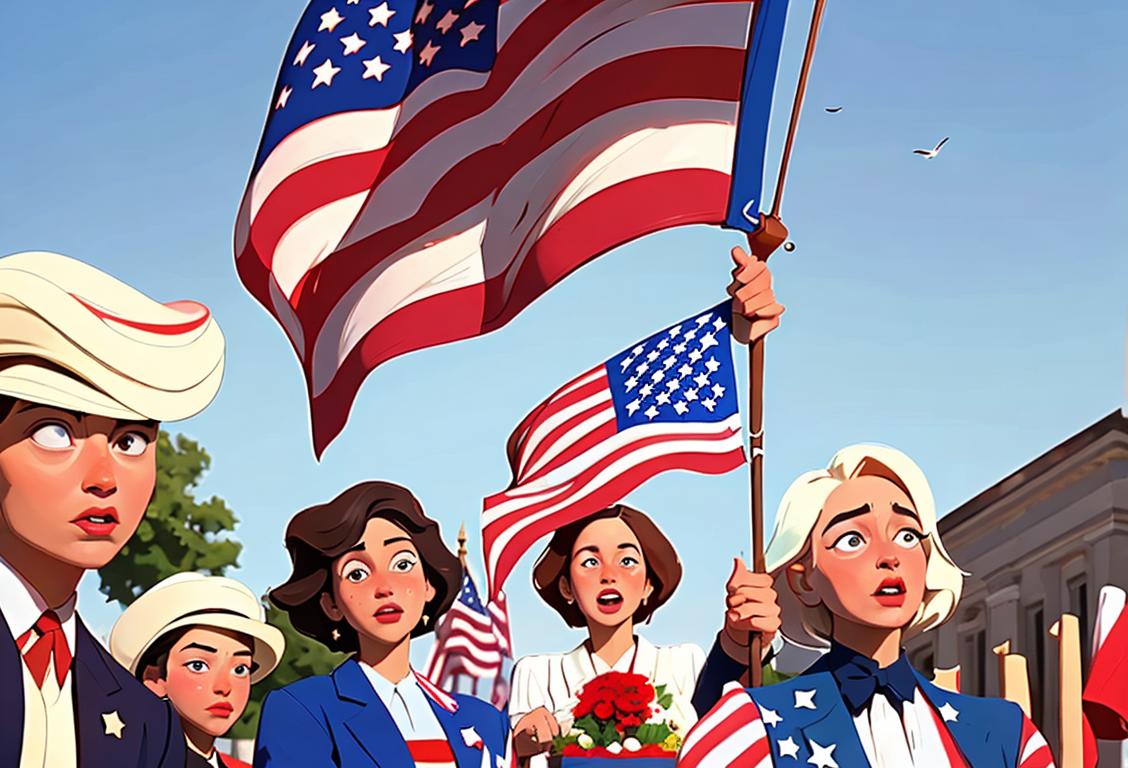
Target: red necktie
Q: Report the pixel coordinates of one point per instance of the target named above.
(51, 640)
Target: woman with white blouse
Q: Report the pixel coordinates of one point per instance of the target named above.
(608, 573)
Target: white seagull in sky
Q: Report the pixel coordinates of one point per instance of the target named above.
(931, 153)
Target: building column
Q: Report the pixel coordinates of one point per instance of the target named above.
(1003, 624)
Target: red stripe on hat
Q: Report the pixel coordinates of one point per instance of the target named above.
(164, 329)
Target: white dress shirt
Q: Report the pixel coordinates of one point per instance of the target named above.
(908, 740)
(49, 732)
(409, 706)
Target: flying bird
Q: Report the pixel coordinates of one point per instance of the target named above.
(931, 153)
(833, 110)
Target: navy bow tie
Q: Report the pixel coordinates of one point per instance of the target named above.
(859, 678)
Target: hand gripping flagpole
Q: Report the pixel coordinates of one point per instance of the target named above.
(762, 242)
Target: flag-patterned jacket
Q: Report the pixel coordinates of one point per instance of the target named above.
(804, 721)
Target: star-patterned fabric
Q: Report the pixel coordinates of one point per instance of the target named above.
(353, 55)
(804, 722)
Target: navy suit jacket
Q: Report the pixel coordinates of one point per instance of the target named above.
(339, 720)
(987, 732)
(151, 737)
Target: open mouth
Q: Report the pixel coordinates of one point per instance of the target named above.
(388, 614)
(97, 522)
(891, 593)
(609, 600)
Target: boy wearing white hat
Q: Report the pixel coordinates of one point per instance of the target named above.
(201, 642)
(88, 369)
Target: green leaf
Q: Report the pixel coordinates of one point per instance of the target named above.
(666, 700)
(610, 735)
(652, 733)
(589, 725)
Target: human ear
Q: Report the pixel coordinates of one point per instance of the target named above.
(152, 679)
(428, 591)
(329, 606)
(566, 589)
(647, 591)
(800, 584)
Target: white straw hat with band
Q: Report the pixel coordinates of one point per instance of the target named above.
(195, 600)
(73, 337)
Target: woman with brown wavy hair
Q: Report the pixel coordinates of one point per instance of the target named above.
(608, 573)
(370, 572)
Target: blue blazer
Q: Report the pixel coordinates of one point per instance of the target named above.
(151, 738)
(339, 720)
(988, 732)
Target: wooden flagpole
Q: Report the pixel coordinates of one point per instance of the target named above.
(768, 236)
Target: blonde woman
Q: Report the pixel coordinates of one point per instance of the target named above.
(859, 567)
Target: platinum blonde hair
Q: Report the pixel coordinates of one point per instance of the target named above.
(795, 522)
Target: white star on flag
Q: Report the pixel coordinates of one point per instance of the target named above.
(651, 412)
(375, 67)
(788, 748)
(324, 74)
(711, 365)
(303, 53)
(681, 408)
(424, 12)
(283, 97)
(380, 15)
(446, 22)
(821, 756)
(470, 32)
(403, 40)
(330, 19)
(353, 43)
(948, 712)
(770, 716)
(805, 699)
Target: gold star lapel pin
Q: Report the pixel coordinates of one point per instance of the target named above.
(113, 723)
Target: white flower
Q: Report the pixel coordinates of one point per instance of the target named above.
(585, 742)
(614, 747)
(631, 744)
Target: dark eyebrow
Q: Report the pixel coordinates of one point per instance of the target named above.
(626, 544)
(588, 548)
(198, 646)
(842, 517)
(243, 653)
(906, 512)
(395, 539)
(359, 547)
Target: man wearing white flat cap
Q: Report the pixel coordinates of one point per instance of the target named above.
(201, 642)
(88, 369)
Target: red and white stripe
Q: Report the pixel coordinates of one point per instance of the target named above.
(730, 734)
(1033, 751)
(569, 460)
(371, 234)
(437, 694)
(431, 753)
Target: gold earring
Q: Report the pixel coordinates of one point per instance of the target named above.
(335, 634)
(426, 618)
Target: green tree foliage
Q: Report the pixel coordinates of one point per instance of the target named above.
(178, 532)
(304, 657)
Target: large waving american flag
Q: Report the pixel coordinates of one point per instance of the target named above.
(429, 167)
(668, 402)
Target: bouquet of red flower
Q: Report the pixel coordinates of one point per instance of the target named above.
(619, 715)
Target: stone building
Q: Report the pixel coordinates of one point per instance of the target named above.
(1040, 542)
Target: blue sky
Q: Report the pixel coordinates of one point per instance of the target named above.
(969, 310)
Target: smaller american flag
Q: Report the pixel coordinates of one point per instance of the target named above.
(472, 640)
(668, 402)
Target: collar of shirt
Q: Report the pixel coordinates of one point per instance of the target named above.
(859, 677)
(642, 654)
(408, 705)
(23, 605)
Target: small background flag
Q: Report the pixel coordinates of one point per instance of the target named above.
(472, 644)
(668, 402)
(428, 168)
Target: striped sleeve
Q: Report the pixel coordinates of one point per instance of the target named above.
(1033, 750)
(730, 734)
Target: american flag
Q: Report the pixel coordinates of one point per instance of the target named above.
(668, 402)
(472, 640)
(429, 167)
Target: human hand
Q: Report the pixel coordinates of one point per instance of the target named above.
(751, 605)
(534, 732)
(755, 311)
